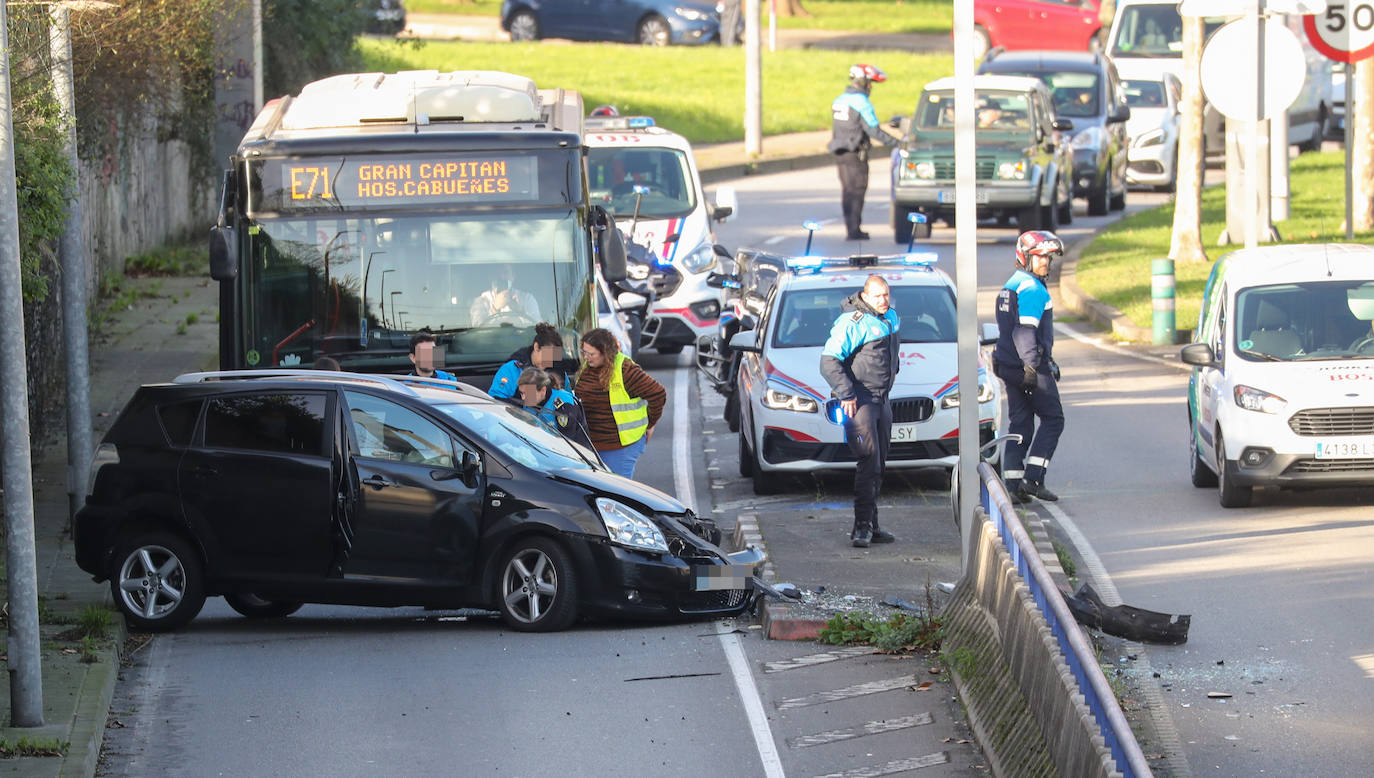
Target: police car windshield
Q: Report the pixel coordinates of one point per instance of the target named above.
(517, 434)
(806, 316)
(613, 174)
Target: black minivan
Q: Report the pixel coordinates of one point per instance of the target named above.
(278, 488)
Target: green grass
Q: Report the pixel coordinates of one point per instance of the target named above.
(935, 16)
(185, 259)
(1115, 267)
(24, 746)
(698, 92)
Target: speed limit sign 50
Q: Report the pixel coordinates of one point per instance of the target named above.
(1345, 32)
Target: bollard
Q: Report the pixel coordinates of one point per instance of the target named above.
(1162, 300)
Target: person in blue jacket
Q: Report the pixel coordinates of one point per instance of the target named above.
(545, 352)
(425, 355)
(557, 408)
(1024, 360)
(855, 127)
(860, 362)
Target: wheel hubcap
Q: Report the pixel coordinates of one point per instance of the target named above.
(531, 584)
(152, 582)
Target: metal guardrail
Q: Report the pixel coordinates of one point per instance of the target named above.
(1078, 652)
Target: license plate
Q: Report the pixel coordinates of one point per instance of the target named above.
(947, 196)
(903, 433)
(1346, 448)
(713, 578)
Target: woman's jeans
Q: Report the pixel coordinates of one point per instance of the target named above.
(622, 460)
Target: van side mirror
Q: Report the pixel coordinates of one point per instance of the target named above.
(1120, 113)
(1062, 125)
(726, 205)
(224, 253)
(1199, 354)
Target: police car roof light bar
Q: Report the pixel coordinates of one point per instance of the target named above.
(617, 122)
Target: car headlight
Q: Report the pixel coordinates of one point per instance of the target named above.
(701, 259)
(924, 169)
(637, 271)
(1252, 399)
(951, 400)
(628, 527)
(1151, 138)
(1089, 137)
(782, 401)
(691, 14)
(1012, 170)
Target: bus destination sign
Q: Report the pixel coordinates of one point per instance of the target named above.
(396, 181)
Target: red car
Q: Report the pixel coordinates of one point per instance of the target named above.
(1066, 25)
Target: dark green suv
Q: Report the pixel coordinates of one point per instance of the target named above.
(1024, 159)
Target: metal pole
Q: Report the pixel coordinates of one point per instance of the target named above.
(1162, 294)
(966, 271)
(1252, 227)
(1349, 150)
(26, 676)
(753, 81)
(73, 275)
(257, 57)
(772, 25)
(1278, 167)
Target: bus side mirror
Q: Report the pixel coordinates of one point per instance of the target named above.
(611, 247)
(224, 254)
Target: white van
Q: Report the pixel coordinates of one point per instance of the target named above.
(1146, 41)
(1282, 390)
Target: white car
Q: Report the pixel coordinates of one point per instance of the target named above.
(1152, 154)
(790, 423)
(1282, 390)
(647, 178)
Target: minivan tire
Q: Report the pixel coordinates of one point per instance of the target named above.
(156, 580)
(537, 586)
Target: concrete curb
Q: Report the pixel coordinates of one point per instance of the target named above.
(733, 170)
(87, 731)
(778, 620)
(1092, 309)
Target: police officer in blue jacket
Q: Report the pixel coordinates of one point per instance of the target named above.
(855, 127)
(1024, 360)
(860, 362)
(557, 408)
(546, 351)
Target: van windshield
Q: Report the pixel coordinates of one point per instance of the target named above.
(1312, 321)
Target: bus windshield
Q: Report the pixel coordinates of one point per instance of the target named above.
(357, 286)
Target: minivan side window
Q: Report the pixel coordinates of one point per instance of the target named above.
(390, 431)
(277, 422)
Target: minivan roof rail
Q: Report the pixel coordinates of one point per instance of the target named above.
(313, 375)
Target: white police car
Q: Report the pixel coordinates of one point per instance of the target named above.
(669, 214)
(790, 423)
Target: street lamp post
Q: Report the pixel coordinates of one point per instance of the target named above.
(383, 295)
(394, 320)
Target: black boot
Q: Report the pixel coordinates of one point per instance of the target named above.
(1039, 491)
(862, 537)
(881, 535)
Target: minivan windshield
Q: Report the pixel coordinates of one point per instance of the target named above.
(518, 434)
(1309, 321)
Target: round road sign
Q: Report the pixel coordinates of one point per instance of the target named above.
(1345, 32)
(1230, 64)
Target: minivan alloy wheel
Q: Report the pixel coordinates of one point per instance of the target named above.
(158, 584)
(538, 587)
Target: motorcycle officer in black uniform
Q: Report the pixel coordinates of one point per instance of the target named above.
(1024, 360)
(855, 127)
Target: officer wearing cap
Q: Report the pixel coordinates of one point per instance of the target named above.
(1024, 360)
(557, 408)
(855, 127)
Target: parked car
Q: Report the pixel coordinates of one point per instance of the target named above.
(1025, 162)
(790, 423)
(277, 488)
(646, 176)
(1070, 25)
(1335, 125)
(647, 22)
(385, 17)
(1152, 131)
(1281, 393)
(1086, 91)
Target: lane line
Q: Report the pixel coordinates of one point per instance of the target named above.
(870, 728)
(729, 641)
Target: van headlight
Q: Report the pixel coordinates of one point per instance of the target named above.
(782, 401)
(951, 400)
(701, 259)
(1252, 399)
(628, 527)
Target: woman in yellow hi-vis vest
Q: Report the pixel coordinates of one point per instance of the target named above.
(621, 401)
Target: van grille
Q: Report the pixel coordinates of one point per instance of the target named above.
(1326, 422)
(1331, 466)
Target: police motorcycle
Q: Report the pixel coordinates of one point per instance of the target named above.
(746, 294)
(645, 275)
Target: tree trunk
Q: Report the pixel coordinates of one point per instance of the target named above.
(1362, 156)
(1185, 245)
(791, 8)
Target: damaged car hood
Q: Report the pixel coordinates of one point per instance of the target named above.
(613, 485)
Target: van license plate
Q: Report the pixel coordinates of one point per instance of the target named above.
(903, 433)
(1346, 448)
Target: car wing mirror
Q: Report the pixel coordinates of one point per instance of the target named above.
(1120, 114)
(1062, 125)
(727, 204)
(746, 341)
(747, 322)
(989, 335)
(1199, 354)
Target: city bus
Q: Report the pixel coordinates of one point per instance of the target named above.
(372, 207)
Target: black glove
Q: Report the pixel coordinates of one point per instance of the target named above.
(1054, 370)
(1028, 378)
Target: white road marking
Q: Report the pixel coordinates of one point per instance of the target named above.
(729, 641)
(816, 659)
(893, 767)
(870, 728)
(857, 690)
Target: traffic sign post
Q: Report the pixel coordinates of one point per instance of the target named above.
(1345, 32)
